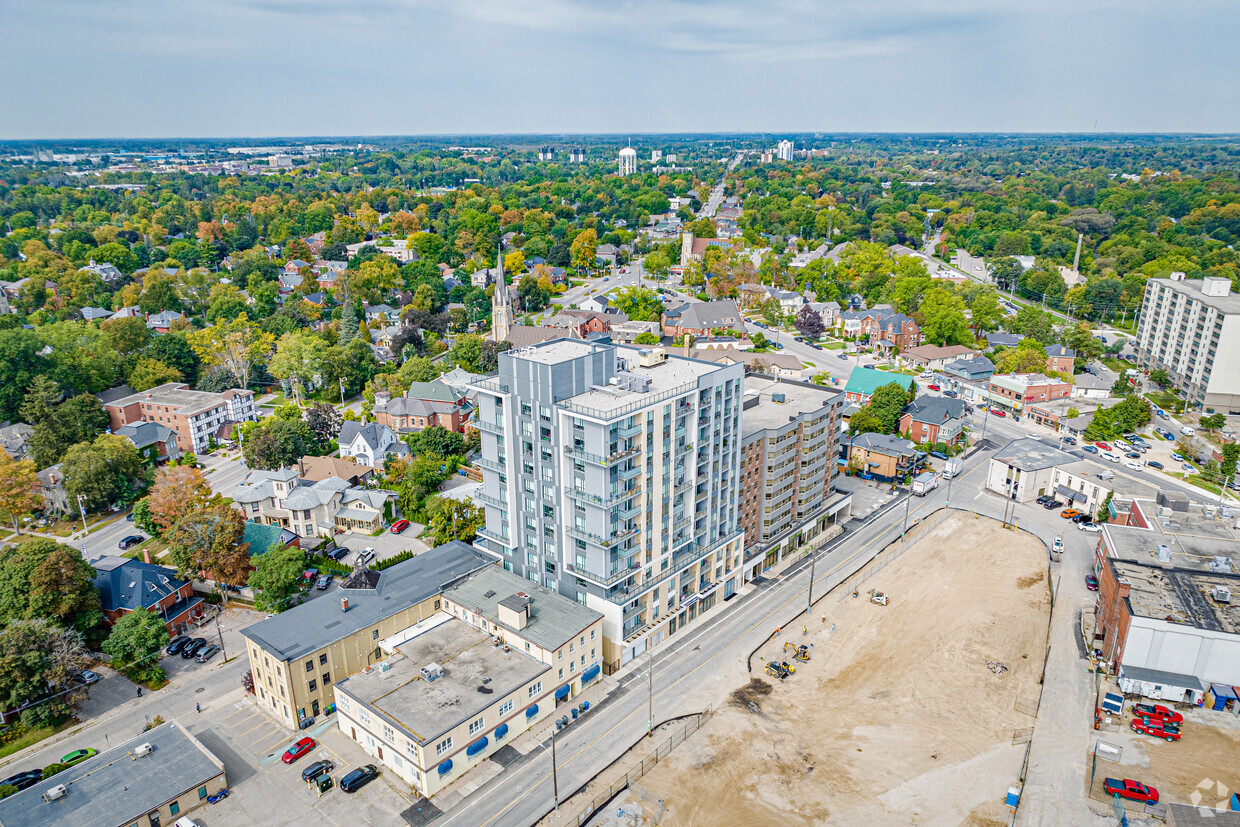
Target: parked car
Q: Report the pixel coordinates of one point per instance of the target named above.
(1044, 499)
(359, 778)
(87, 677)
(78, 756)
(1069, 513)
(1089, 449)
(1133, 455)
(1091, 582)
(1177, 457)
(1157, 712)
(298, 749)
(130, 541)
(192, 647)
(997, 412)
(1069, 440)
(399, 526)
(1153, 463)
(1050, 505)
(843, 356)
(938, 455)
(1090, 527)
(323, 582)
(316, 769)
(1186, 431)
(934, 387)
(1159, 729)
(1188, 469)
(1103, 446)
(1133, 464)
(1131, 790)
(1110, 457)
(206, 653)
(365, 555)
(1058, 544)
(338, 553)
(177, 645)
(23, 779)
(1082, 518)
(950, 394)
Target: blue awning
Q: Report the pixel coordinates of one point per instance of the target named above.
(532, 711)
(477, 746)
(591, 673)
(501, 731)
(445, 767)
(562, 692)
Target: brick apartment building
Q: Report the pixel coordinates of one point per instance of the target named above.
(1013, 391)
(195, 416)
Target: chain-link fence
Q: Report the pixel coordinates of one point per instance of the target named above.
(600, 799)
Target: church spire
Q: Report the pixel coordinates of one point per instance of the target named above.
(501, 301)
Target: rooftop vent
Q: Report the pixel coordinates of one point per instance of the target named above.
(1221, 594)
(143, 750)
(431, 671)
(490, 593)
(778, 397)
(344, 604)
(1164, 553)
(1221, 565)
(384, 666)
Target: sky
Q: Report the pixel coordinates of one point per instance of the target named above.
(259, 68)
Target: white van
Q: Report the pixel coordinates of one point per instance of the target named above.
(1186, 431)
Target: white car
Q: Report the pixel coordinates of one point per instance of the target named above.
(1092, 528)
(1135, 466)
(1058, 545)
(1119, 443)
(1109, 457)
(1186, 431)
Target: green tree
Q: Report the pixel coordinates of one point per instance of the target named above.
(20, 362)
(987, 316)
(864, 421)
(436, 441)
(142, 518)
(127, 334)
(1213, 422)
(275, 443)
(450, 519)
(36, 654)
(80, 356)
(56, 424)
(584, 249)
(943, 320)
(298, 360)
(1160, 377)
(209, 540)
(151, 373)
(886, 404)
(41, 578)
(534, 296)
(640, 303)
(276, 577)
(647, 338)
(108, 470)
(135, 643)
(19, 488)
(234, 345)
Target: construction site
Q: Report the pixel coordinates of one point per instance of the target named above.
(911, 702)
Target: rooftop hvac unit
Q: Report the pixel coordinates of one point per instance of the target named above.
(1221, 565)
(431, 671)
(778, 397)
(1164, 554)
(143, 750)
(56, 792)
(384, 666)
(1221, 594)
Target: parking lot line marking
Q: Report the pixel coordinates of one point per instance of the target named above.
(264, 738)
(240, 721)
(262, 723)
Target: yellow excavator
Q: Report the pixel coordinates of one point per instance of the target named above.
(799, 652)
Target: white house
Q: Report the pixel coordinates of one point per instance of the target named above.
(370, 444)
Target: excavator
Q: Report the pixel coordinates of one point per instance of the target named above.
(798, 652)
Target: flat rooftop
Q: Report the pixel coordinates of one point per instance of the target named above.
(672, 374)
(555, 351)
(116, 787)
(554, 619)
(799, 398)
(1192, 287)
(1192, 539)
(1124, 484)
(1032, 454)
(319, 623)
(176, 395)
(1179, 596)
(427, 709)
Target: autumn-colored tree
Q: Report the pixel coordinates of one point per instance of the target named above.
(235, 344)
(209, 540)
(19, 488)
(584, 248)
(178, 491)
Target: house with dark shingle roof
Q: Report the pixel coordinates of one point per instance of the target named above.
(126, 585)
(976, 369)
(370, 443)
(159, 442)
(700, 318)
(1060, 359)
(931, 419)
(881, 455)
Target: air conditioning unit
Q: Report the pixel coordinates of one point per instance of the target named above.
(59, 791)
(142, 750)
(431, 671)
(384, 666)
(1221, 594)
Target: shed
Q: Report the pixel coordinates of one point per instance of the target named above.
(1220, 697)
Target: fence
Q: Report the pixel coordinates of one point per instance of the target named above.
(690, 726)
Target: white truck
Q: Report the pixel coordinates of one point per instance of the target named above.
(924, 483)
(951, 468)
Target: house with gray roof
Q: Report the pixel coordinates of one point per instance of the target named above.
(15, 439)
(161, 322)
(700, 318)
(933, 419)
(106, 272)
(370, 443)
(126, 585)
(95, 314)
(311, 509)
(977, 369)
(1024, 469)
(158, 442)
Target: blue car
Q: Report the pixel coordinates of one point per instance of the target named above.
(938, 454)
(1089, 449)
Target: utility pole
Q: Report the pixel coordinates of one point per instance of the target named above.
(908, 500)
(813, 558)
(650, 695)
(555, 779)
(219, 632)
(82, 509)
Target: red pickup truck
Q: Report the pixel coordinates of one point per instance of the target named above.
(1132, 790)
(1157, 712)
(1159, 729)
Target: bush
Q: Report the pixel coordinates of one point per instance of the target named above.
(326, 564)
(380, 565)
(157, 721)
(7, 790)
(52, 769)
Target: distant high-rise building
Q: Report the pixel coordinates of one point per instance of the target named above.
(546, 153)
(767, 157)
(655, 155)
(671, 159)
(784, 150)
(577, 155)
(628, 161)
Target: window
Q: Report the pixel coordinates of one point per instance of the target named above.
(476, 726)
(506, 707)
(174, 808)
(373, 636)
(443, 746)
(309, 665)
(313, 685)
(327, 678)
(322, 659)
(387, 733)
(342, 702)
(536, 688)
(365, 716)
(202, 793)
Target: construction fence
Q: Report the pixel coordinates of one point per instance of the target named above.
(691, 725)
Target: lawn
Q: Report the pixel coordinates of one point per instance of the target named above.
(1166, 400)
(34, 736)
(834, 345)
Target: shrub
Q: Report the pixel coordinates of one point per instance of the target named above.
(391, 561)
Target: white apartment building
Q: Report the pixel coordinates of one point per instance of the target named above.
(783, 150)
(610, 474)
(1191, 329)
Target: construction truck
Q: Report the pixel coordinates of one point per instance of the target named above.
(798, 652)
(779, 669)
(878, 597)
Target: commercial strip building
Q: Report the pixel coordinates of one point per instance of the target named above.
(197, 417)
(295, 655)
(789, 442)
(1166, 622)
(610, 475)
(1014, 391)
(152, 779)
(1191, 329)
(499, 657)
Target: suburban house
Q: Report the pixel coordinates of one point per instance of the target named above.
(700, 318)
(780, 365)
(348, 469)
(423, 405)
(197, 417)
(370, 443)
(107, 273)
(977, 369)
(311, 509)
(158, 442)
(15, 439)
(607, 254)
(161, 322)
(862, 383)
(95, 314)
(1088, 386)
(577, 325)
(381, 312)
(933, 357)
(1060, 359)
(994, 340)
(52, 489)
(881, 455)
(126, 585)
(880, 324)
(931, 419)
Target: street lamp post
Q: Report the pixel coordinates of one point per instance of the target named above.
(650, 690)
(813, 558)
(82, 510)
(555, 780)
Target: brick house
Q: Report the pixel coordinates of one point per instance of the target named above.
(195, 416)
(880, 324)
(1014, 391)
(882, 455)
(425, 404)
(1060, 359)
(933, 419)
(126, 585)
(700, 318)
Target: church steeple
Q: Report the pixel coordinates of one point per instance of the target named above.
(501, 301)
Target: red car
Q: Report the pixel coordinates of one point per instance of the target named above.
(934, 387)
(1103, 446)
(1132, 790)
(1157, 712)
(997, 412)
(399, 526)
(1159, 729)
(298, 750)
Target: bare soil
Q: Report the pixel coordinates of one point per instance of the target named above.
(897, 718)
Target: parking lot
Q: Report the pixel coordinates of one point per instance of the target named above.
(385, 545)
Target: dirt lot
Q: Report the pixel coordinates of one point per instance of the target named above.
(897, 717)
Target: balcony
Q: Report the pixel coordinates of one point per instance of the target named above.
(627, 474)
(491, 465)
(594, 499)
(606, 542)
(625, 431)
(604, 580)
(495, 538)
(628, 513)
(493, 427)
(489, 500)
(596, 459)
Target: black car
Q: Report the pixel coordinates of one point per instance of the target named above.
(316, 769)
(1048, 505)
(359, 778)
(177, 645)
(130, 541)
(192, 647)
(338, 553)
(23, 779)
(1082, 518)
(1069, 440)
(1044, 499)
(206, 653)
(950, 394)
